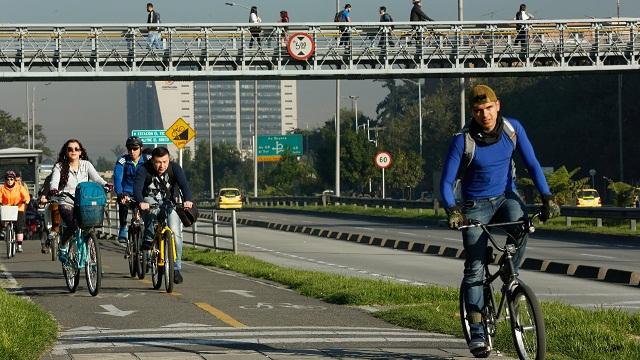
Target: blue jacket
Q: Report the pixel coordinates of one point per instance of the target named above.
(124, 174)
(489, 174)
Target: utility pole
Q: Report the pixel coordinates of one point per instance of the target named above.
(354, 108)
(462, 81)
(337, 191)
(620, 147)
(211, 188)
(255, 138)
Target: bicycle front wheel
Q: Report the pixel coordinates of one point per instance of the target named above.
(527, 323)
(70, 267)
(93, 269)
(139, 254)
(168, 261)
(156, 270)
(8, 238)
(131, 254)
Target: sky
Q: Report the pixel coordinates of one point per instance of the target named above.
(95, 112)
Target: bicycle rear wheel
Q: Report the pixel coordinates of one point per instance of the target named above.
(53, 245)
(527, 323)
(131, 253)
(93, 268)
(168, 261)
(70, 268)
(156, 270)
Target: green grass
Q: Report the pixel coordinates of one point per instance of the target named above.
(572, 333)
(26, 331)
(579, 225)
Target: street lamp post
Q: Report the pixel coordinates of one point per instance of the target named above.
(255, 140)
(211, 187)
(33, 117)
(462, 81)
(620, 147)
(337, 191)
(26, 101)
(354, 108)
(419, 83)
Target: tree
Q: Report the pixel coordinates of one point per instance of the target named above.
(102, 164)
(405, 171)
(623, 192)
(289, 176)
(561, 184)
(13, 133)
(118, 150)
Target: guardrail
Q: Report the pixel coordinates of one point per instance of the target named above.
(214, 218)
(569, 212)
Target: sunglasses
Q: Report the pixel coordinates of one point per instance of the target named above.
(12, 179)
(73, 149)
(133, 148)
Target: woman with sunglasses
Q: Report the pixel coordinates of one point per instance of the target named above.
(14, 194)
(72, 168)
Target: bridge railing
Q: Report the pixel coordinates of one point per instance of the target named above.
(218, 50)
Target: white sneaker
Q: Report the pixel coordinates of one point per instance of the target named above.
(19, 247)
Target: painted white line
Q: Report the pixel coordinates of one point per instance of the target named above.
(452, 239)
(364, 228)
(191, 327)
(407, 233)
(599, 256)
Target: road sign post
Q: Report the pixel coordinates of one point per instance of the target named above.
(383, 160)
(180, 133)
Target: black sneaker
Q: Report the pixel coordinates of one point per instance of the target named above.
(478, 345)
(177, 278)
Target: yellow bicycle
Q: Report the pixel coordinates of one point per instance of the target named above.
(162, 255)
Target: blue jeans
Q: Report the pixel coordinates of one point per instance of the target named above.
(174, 223)
(154, 40)
(503, 208)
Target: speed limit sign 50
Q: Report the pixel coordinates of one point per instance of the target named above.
(383, 160)
(301, 46)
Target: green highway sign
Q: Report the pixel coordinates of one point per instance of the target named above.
(271, 147)
(156, 137)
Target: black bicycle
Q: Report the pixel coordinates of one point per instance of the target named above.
(518, 303)
(134, 253)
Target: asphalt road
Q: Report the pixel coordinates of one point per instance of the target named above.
(352, 259)
(606, 251)
(214, 315)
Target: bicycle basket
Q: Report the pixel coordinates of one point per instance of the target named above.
(90, 215)
(8, 213)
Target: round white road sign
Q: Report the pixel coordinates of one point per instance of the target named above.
(383, 160)
(301, 46)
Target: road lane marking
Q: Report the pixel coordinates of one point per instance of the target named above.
(599, 256)
(452, 239)
(112, 310)
(220, 315)
(364, 228)
(243, 293)
(407, 233)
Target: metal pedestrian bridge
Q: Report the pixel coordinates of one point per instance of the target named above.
(351, 51)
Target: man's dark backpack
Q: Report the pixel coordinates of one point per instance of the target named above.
(338, 16)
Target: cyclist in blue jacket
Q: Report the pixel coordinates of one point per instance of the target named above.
(124, 176)
(481, 157)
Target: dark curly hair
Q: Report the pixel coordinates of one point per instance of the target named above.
(63, 160)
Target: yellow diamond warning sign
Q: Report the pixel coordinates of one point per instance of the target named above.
(180, 133)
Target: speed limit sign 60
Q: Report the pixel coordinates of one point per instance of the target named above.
(383, 160)
(301, 46)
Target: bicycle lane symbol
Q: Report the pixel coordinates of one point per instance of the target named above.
(270, 306)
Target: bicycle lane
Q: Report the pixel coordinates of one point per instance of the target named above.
(214, 314)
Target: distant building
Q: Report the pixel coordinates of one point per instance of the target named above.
(153, 105)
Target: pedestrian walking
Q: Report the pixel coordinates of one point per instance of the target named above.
(153, 32)
(417, 14)
(284, 18)
(522, 15)
(255, 30)
(385, 17)
(345, 17)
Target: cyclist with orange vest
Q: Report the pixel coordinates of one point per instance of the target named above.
(14, 194)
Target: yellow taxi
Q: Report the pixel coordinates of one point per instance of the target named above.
(229, 198)
(588, 198)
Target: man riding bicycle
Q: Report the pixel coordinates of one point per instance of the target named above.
(159, 180)
(124, 176)
(481, 157)
(13, 193)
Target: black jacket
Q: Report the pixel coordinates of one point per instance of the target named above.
(418, 15)
(153, 18)
(145, 174)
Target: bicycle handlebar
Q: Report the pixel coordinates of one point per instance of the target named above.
(472, 223)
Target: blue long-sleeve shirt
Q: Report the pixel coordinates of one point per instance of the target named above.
(489, 173)
(124, 173)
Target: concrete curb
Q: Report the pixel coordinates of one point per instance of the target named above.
(577, 270)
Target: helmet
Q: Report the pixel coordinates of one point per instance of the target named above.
(10, 174)
(134, 141)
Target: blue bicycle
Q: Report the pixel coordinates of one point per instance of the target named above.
(83, 253)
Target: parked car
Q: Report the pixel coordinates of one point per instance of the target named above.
(588, 198)
(229, 198)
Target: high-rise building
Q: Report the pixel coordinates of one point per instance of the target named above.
(155, 105)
